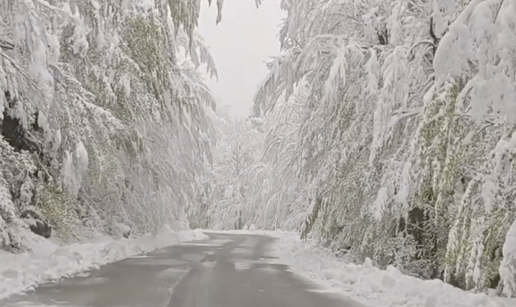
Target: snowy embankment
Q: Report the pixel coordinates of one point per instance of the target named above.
(368, 285)
(372, 286)
(50, 262)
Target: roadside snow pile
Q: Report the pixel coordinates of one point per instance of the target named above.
(50, 262)
(371, 286)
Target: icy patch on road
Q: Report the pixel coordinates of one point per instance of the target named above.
(157, 262)
(239, 251)
(173, 272)
(200, 244)
(193, 257)
(209, 264)
(262, 265)
(50, 262)
(243, 265)
(211, 243)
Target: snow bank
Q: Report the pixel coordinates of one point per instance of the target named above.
(371, 286)
(50, 262)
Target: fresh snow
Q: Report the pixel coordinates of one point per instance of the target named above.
(369, 285)
(49, 261)
(372, 286)
(360, 282)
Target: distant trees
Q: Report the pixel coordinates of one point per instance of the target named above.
(233, 173)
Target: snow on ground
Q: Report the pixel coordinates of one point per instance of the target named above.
(50, 262)
(372, 286)
(368, 285)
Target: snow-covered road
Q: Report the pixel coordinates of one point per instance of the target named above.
(226, 270)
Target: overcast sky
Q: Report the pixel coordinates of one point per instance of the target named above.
(240, 45)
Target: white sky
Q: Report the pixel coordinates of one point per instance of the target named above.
(240, 44)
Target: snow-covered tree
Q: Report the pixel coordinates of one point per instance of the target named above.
(389, 133)
(233, 174)
(103, 115)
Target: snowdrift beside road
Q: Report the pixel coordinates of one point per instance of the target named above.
(372, 286)
(50, 262)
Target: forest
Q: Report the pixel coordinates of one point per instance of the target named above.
(383, 130)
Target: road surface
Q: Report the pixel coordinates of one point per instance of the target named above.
(225, 270)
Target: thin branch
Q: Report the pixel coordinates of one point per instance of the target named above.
(6, 45)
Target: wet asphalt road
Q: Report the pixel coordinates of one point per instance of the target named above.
(225, 270)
